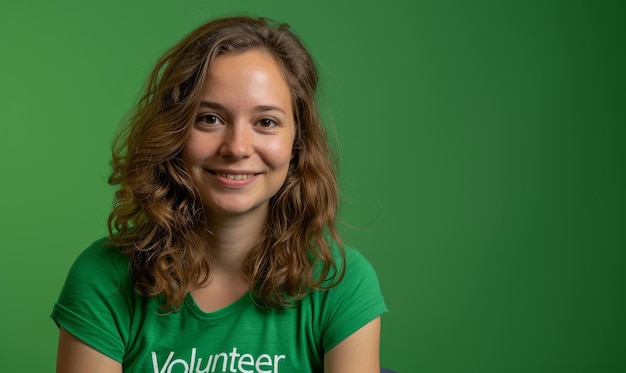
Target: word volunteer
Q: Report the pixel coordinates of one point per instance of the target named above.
(226, 362)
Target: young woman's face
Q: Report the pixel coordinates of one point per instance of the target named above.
(239, 149)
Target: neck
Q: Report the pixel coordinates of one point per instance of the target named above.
(232, 237)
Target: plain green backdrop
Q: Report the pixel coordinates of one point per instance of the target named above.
(482, 165)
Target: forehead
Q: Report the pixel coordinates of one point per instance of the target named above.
(250, 74)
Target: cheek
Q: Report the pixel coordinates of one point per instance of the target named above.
(195, 149)
(187, 156)
(280, 152)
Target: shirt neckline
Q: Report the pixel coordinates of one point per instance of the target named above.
(236, 306)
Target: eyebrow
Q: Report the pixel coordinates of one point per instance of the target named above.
(261, 108)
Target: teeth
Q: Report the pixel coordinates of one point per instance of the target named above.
(235, 176)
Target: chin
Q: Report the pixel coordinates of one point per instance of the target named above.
(235, 210)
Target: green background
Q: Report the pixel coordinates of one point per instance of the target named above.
(482, 165)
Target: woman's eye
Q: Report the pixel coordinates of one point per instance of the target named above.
(211, 119)
(267, 123)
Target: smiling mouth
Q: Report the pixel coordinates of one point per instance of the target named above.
(234, 176)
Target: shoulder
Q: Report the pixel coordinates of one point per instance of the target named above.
(353, 264)
(98, 267)
(355, 261)
(352, 300)
(101, 252)
(103, 257)
(96, 300)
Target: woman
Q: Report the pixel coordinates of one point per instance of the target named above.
(223, 254)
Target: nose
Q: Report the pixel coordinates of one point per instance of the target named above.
(237, 141)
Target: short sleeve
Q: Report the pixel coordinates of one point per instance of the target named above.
(94, 304)
(353, 302)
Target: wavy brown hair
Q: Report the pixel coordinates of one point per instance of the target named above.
(158, 219)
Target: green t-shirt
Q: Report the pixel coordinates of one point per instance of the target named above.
(99, 306)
